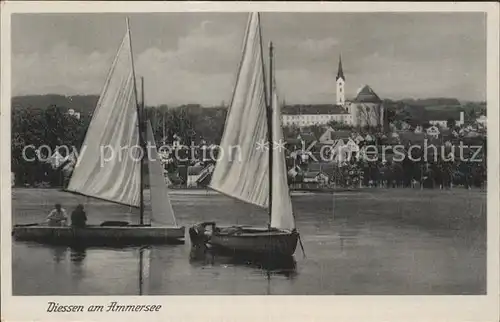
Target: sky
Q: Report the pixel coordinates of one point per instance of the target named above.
(193, 57)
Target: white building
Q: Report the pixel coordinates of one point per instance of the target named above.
(366, 109)
(73, 113)
(433, 132)
(307, 115)
(441, 119)
(482, 120)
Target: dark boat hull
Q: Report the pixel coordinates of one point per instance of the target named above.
(281, 265)
(99, 235)
(242, 239)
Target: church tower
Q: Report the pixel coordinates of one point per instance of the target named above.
(340, 81)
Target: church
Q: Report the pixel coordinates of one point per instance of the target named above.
(366, 109)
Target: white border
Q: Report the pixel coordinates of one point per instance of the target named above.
(260, 308)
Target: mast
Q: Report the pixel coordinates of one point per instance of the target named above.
(139, 119)
(268, 99)
(270, 129)
(142, 144)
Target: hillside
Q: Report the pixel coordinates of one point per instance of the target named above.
(429, 102)
(84, 104)
(423, 110)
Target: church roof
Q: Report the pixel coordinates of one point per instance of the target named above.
(367, 95)
(340, 71)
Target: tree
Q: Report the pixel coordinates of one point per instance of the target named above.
(316, 130)
(369, 114)
(390, 116)
(50, 126)
(398, 125)
(470, 117)
(339, 125)
(450, 123)
(291, 131)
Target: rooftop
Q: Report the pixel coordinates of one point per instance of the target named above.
(313, 109)
(312, 174)
(306, 136)
(340, 71)
(367, 95)
(194, 170)
(331, 134)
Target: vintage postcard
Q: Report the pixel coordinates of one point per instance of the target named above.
(223, 161)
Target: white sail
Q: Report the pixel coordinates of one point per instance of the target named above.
(108, 167)
(281, 210)
(242, 167)
(161, 208)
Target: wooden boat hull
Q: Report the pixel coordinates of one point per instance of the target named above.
(281, 265)
(99, 235)
(245, 239)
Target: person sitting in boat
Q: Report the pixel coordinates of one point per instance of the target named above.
(78, 217)
(57, 216)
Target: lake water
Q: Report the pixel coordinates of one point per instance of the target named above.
(375, 242)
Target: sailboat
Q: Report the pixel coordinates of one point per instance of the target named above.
(257, 175)
(116, 127)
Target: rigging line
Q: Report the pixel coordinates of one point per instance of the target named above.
(301, 246)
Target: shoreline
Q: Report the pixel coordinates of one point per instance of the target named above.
(296, 192)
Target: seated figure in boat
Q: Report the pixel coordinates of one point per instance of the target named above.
(57, 216)
(78, 217)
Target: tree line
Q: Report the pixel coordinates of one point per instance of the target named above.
(53, 127)
(405, 174)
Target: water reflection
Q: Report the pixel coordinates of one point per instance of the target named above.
(77, 255)
(285, 266)
(59, 254)
(348, 230)
(368, 248)
(77, 258)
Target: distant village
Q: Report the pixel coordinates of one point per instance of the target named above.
(346, 127)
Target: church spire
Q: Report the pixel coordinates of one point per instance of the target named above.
(340, 82)
(340, 72)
